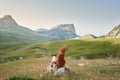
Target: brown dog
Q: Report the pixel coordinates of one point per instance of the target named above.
(60, 57)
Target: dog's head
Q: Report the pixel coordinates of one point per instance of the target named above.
(64, 49)
(53, 54)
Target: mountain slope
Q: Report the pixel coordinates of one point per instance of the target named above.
(62, 31)
(89, 48)
(115, 33)
(11, 31)
(93, 48)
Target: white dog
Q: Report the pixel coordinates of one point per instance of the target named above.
(52, 68)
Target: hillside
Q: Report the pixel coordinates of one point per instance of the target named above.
(11, 31)
(10, 51)
(26, 61)
(91, 49)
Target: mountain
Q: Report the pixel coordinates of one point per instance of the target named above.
(62, 31)
(115, 33)
(11, 31)
(89, 36)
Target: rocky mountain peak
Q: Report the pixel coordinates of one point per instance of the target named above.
(66, 27)
(62, 31)
(7, 23)
(115, 33)
(7, 19)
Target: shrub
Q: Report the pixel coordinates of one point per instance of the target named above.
(21, 78)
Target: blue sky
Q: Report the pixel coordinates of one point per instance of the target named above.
(96, 17)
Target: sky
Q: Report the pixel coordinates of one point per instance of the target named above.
(96, 17)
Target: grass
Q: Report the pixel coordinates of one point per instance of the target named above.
(21, 78)
(13, 50)
(91, 49)
(31, 68)
(102, 59)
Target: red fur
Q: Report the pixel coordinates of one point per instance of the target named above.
(60, 57)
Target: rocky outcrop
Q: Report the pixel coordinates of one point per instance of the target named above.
(62, 31)
(65, 27)
(115, 33)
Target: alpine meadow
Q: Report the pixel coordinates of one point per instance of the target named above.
(59, 39)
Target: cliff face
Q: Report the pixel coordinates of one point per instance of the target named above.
(115, 33)
(62, 31)
(65, 27)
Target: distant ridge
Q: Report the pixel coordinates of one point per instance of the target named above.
(11, 31)
(62, 31)
(89, 36)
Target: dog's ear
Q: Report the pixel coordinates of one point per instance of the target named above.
(53, 54)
